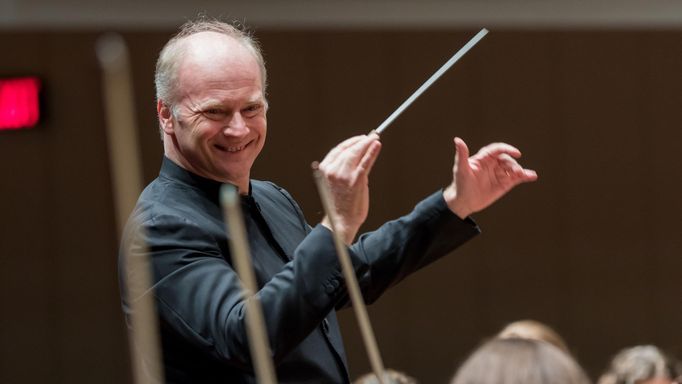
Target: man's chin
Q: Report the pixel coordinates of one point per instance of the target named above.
(231, 175)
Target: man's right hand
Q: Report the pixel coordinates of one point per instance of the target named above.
(346, 169)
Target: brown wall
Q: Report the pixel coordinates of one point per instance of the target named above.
(593, 248)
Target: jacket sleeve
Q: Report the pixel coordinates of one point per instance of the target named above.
(403, 246)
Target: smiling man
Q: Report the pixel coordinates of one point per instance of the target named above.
(211, 105)
(213, 121)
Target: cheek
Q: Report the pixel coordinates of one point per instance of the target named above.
(262, 128)
(203, 134)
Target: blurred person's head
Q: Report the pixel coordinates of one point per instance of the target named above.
(533, 330)
(390, 377)
(643, 364)
(519, 361)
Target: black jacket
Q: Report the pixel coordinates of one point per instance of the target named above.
(198, 294)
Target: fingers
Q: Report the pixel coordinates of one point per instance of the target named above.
(523, 176)
(488, 155)
(353, 157)
(495, 149)
(336, 151)
(370, 157)
(508, 163)
(508, 170)
(374, 135)
(529, 175)
(345, 169)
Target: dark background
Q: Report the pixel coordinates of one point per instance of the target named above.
(593, 248)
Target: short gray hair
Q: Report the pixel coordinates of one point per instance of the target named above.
(641, 362)
(165, 77)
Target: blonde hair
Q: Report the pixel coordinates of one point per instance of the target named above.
(533, 330)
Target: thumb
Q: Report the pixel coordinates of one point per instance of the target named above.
(462, 153)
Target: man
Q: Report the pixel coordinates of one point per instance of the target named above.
(212, 114)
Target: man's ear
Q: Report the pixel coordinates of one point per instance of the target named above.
(165, 114)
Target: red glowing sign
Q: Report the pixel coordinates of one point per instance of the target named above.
(19, 103)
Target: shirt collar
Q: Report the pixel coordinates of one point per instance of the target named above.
(171, 170)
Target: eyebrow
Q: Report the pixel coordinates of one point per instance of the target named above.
(251, 100)
(210, 103)
(256, 100)
(217, 103)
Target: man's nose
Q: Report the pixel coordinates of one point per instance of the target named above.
(236, 126)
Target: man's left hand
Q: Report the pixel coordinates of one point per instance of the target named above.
(479, 180)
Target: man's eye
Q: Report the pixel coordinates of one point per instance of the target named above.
(214, 113)
(252, 110)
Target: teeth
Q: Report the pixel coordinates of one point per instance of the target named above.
(235, 149)
(232, 149)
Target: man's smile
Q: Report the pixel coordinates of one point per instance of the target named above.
(232, 149)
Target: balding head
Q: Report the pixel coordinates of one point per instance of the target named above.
(209, 57)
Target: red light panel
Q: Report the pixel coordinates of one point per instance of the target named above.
(19, 103)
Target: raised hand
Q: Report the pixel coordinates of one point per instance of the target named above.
(346, 169)
(480, 180)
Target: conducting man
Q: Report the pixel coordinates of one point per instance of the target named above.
(211, 105)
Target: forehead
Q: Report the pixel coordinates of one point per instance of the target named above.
(214, 60)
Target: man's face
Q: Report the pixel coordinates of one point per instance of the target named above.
(218, 123)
